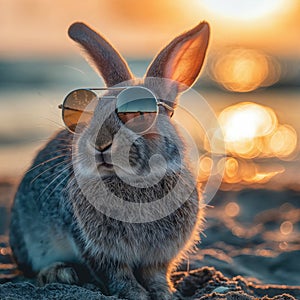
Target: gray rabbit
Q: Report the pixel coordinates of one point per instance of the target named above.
(65, 225)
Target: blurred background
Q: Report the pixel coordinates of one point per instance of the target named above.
(251, 78)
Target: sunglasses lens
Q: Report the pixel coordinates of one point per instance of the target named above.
(137, 108)
(78, 108)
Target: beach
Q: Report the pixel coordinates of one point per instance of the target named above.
(248, 251)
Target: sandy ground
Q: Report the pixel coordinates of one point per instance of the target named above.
(251, 250)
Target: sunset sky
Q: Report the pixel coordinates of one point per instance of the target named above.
(254, 44)
(141, 28)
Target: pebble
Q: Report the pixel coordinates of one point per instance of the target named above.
(220, 289)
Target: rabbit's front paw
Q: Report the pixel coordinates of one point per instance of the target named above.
(129, 290)
(154, 279)
(134, 294)
(58, 272)
(160, 295)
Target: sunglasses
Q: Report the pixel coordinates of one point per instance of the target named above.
(137, 107)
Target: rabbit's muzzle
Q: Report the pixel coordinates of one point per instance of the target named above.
(103, 157)
(110, 155)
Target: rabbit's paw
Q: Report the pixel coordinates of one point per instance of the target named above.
(58, 272)
(160, 295)
(154, 279)
(131, 291)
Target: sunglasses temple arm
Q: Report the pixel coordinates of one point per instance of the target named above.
(168, 107)
(60, 106)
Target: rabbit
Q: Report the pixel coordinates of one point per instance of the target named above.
(58, 235)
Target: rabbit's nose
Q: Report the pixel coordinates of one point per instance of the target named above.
(103, 147)
(103, 153)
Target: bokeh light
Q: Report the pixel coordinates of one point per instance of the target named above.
(253, 136)
(252, 130)
(283, 141)
(286, 227)
(232, 209)
(244, 70)
(246, 121)
(205, 164)
(231, 168)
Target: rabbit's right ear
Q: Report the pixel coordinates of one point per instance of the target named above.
(182, 59)
(106, 59)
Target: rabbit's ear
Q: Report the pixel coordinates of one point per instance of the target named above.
(105, 58)
(182, 59)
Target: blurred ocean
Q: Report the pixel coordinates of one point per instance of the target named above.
(30, 91)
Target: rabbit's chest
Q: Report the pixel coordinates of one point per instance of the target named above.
(144, 244)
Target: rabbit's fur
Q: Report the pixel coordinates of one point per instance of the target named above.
(60, 236)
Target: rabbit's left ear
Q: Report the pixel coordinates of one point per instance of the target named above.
(106, 59)
(182, 59)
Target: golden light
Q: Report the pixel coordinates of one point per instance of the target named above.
(283, 245)
(205, 164)
(244, 70)
(265, 176)
(245, 121)
(3, 251)
(243, 9)
(232, 209)
(284, 141)
(252, 131)
(286, 227)
(231, 168)
(238, 231)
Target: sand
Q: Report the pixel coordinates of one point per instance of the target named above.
(251, 250)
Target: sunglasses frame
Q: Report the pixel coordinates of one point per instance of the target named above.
(158, 101)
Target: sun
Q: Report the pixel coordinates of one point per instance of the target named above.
(253, 130)
(245, 121)
(243, 9)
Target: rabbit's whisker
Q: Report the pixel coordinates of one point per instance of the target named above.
(45, 162)
(56, 177)
(61, 150)
(65, 178)
(59, 125)
(48, 169)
